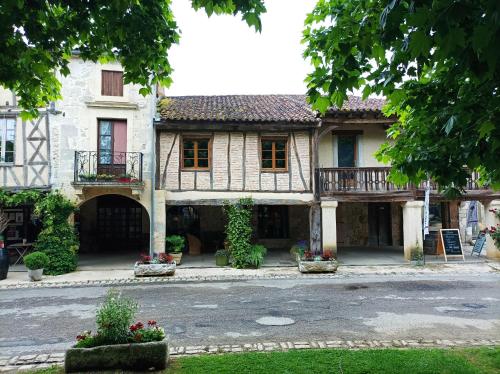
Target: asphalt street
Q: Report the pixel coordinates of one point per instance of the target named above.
(382, 307)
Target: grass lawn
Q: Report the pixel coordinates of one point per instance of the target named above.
(376, 361)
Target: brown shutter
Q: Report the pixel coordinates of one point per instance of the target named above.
(112, 83)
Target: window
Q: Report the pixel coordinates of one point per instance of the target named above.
(112, 83)
(112, 147)
(196, 153)
(7, 139)
(347, 151)
(273, 221)
(274, 154)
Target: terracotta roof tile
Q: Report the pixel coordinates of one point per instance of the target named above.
(251, 108)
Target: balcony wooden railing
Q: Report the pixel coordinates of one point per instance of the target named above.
(374, 181)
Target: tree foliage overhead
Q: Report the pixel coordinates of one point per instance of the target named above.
(438, 64)
(38, 37)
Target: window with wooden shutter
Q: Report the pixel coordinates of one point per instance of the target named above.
(112, 83)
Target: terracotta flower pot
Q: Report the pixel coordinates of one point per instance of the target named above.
(177, 257)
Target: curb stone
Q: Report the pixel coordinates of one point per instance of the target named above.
(40, 361)
(402, 271)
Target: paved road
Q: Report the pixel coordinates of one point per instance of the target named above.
(386, 307)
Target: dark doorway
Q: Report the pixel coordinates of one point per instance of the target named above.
(113, 224)
(379, 224)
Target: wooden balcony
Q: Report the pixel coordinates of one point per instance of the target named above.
(372, 184)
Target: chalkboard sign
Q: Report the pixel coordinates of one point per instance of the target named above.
(451, 243)
(479, 244)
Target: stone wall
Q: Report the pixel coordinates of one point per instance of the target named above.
(352, 224)
(235, 164)
(75, 126)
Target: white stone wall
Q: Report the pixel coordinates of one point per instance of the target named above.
(75, 127)
(235, 164)
(368, 143)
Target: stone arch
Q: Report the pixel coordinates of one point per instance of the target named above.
(113, 223)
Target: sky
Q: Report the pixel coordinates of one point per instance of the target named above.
(222, 55)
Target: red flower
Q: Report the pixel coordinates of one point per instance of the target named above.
(80, 337)
(145, 258)
(133, 328)
(139, 325)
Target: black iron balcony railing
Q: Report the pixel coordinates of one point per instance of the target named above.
(108, 167)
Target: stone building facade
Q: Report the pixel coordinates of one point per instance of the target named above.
(102, 156)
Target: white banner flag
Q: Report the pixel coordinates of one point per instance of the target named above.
(426, 207)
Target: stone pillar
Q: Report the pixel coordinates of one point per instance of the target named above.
(412, 227)
(160, 226)
(490, 220)
(329, 226)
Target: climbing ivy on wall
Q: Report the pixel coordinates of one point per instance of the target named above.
(239, 230)
(57, 238)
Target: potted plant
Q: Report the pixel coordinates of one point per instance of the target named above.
(298, 250)
(36, 262)
(161, 265)
(105, 177)
(221, 257)
(255, 257)
(119, 344)
(4, 253)
(125, 178)
(323, 262)
(87, 177)
(417, 256)
(175, 245)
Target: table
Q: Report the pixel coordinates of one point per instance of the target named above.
(21, 249)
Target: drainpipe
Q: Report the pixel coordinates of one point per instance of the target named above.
(153, 186)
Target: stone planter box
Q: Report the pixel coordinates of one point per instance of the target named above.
(318, 266)
(133, 357)
(153, 270)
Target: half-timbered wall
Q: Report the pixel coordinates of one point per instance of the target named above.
(30, 167)
(235, 164)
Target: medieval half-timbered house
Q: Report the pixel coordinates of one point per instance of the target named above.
(314, 179)
(213, 149)
(24, 163)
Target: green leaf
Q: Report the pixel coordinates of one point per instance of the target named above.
(485, 129)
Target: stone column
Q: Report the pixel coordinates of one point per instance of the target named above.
(329, 226)
(490, 220)
(160, 227)
(412, 227)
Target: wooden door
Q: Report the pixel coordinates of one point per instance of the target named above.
(379, 224)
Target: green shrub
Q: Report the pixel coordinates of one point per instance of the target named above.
(222, 252)
(36, 260)
(255, 256)
(58, 238)
(239, 230)
(114, 317)
(175, 243)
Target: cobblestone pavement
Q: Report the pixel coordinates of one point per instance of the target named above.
(40, 361)
(118, 278)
